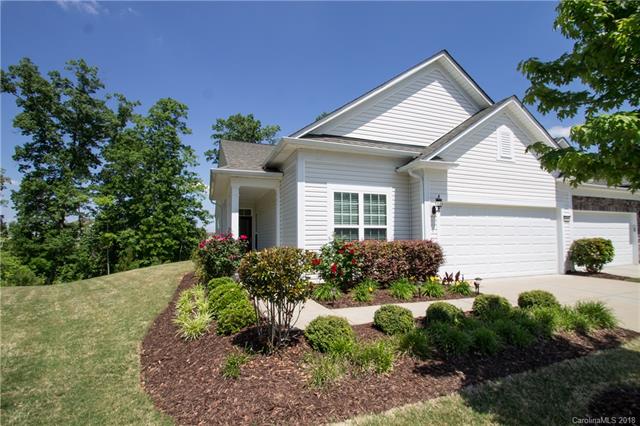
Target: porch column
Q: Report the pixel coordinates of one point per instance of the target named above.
(235, 206)
(277, 216)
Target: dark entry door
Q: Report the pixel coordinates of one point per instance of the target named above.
(245, 228)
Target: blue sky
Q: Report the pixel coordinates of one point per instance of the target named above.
(284, 62)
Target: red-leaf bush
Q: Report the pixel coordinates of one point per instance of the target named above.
(219, 256)
(348, 263)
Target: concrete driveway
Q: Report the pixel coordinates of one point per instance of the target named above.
(622, 296)
(632, 271)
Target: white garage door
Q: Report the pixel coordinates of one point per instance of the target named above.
(498, 241)
(618, 227)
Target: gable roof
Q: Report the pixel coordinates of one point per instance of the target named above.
(244, 155)
(443, 55)
(346, 140)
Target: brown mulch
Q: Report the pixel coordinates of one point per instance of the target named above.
(618, 401)
(383, 296)
(605, 275)
(184, 381)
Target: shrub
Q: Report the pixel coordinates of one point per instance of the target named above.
(13, 272)
(448, 339)
(364, 291)
(218, 256)
(326, 369)
(392, 319)
(462, 288)
(276, 279)
(216, 282)
(485, 340)
(235, 317)
(444, 312)
(402, 289)
(328, 333)
(532, 298)
(231, 367)
(592, 253)
(491, 306)
(540, 325)
(431, 288)
(377, 356)
(512, 332)
(327, 292)
(415, 342)
(192, 313)
(598, 314)
(340, 263)
(225, 295)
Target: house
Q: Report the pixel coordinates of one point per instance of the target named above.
(425, 155)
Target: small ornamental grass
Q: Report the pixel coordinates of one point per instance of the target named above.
(430, 288)
(597, 313)
(449, 339)
(231, 367)
(327, 292)
(402, 289)
(415, 343)
(529, 299)
(192, 313)
(364, 291)
(463, 288)
(393, 319)
(485, 340)
(375, 356)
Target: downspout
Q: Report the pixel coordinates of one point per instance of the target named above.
(422, 215)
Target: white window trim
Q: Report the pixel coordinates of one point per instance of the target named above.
(360, 190)
(505, 130)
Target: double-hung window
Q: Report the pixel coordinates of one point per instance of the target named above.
(360, 216)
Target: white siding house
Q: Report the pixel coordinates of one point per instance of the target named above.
(373, 169)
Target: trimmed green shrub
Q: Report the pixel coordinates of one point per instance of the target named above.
(216, 282)
(462, 288)
(231, 367)
(377, 356)
(448, 339)
(329, 333)
(225, 295)
(546, 318)
(598, 314)
(218, 256)
(393, 319)
(415, 342)
(430, 289)
(512, 332)
(193, 316)
(444, 312)
(402, 289)
(491, 306)
(364, 291)
(235, 317)
(529, 299)
(592, 253)
(485, 340)
(327, 292)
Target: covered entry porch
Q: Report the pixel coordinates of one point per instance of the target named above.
(247, 203)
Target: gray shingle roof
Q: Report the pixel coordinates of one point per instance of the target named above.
(410, 149)
(243, 155)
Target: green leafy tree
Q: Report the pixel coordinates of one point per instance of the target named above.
(601, 77)
(240, 127)
(149, 200)
(322, 115)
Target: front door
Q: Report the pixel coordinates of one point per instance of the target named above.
(245, 228)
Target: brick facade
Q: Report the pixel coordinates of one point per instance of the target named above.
(607, 205)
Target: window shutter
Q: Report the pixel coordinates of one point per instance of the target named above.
(505, 143)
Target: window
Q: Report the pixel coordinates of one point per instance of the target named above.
(505, 143)
(352, 223)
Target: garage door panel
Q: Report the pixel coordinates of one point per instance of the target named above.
(498, 241)
(615, 226)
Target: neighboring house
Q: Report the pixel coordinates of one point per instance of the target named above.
(374, 168)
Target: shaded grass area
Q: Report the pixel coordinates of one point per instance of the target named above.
(550, 395)
(70, 352)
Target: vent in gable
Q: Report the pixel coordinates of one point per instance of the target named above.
(505, 143)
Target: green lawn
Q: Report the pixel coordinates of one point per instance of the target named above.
(552, 395)
(70, 351)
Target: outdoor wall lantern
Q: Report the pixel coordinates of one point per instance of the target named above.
(476, 283)
(437, 205)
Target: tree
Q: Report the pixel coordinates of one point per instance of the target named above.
(240, 127)
(322, 115)
(149, 201)
(4, 180)
(67, 122)
(600, 76)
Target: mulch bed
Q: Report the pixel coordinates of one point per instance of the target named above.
(383, 296)
(184, 380)
(605, 275)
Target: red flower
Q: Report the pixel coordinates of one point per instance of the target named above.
(353, 261)
(243, 237)
(315, 261)
(340, 251)
(352, 251)
(334, 268)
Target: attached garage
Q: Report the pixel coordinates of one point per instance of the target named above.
(618, 227)
(490, 241)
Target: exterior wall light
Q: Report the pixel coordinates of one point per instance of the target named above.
(437, 205)
(476, 283)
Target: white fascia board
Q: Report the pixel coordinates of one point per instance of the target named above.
(249, 173)
(427, 164)
(359, 101)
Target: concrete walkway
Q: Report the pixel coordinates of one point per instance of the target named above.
(622, 296)
(632, 271)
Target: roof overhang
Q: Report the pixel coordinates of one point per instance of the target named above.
(288, 145)
(427, 164)
(221, 177)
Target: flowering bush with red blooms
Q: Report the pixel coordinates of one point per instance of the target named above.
(340, 263)
(219, 256)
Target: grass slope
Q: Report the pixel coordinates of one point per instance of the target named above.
(551, 395)
(70, 352)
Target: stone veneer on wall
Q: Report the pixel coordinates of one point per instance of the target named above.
(607, 205)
